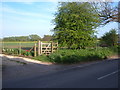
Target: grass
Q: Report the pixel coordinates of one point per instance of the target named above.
(17, 44)
(66, 55)
(74, 56)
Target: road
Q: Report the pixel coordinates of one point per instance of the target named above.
(102, 74)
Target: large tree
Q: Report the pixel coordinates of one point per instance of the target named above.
(108, 11)
(75, 23)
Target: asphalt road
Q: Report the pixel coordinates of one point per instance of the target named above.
(102, 74)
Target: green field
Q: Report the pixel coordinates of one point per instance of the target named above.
(17, 44)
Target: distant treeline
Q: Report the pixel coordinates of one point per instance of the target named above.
(32, 37)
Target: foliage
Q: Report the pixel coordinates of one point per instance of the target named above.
(74, 56)
(75, 23)
(110, 38)
(20, 38)
(10, 51)
(43, 58)
(69, 55)
(15, 51)
(47, 38)
(32, 37)
(26, 53)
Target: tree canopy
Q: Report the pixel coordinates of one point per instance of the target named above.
(32, 37)
(75, 23)
(110, 38)
(47, 38)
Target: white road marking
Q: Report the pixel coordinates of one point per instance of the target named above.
(108, 75)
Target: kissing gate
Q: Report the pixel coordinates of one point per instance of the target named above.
(45, 48)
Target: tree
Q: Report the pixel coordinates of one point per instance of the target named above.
(75, 22)
(34, 37)
(110, 38)
(22, 38)
(108, 12)
(47, 38)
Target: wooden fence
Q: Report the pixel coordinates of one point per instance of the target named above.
(39, 47)
(45, 48)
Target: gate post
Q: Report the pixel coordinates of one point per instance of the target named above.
(39, 48)
(51, 47)
(35, 50)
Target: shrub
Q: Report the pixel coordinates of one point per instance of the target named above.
(74, 56)
(42, 58)
(10, 51)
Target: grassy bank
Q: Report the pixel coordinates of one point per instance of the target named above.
(75, 56)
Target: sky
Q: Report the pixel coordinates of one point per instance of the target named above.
(26, 18)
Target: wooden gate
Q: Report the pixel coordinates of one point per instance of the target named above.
(46, 48)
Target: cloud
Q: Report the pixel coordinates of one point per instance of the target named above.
(18, 12)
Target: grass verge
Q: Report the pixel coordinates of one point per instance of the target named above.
(74, 56)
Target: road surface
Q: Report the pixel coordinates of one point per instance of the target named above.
(102, 74)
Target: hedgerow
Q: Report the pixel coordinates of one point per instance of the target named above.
(74, 56)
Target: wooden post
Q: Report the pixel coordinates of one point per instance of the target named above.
(51, 47)
(35, 50)
(20, 48)
(39, 48)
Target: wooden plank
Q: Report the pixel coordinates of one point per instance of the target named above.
(46, 50)
(46, 47)
(46, 43)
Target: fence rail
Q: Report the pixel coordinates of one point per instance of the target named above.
(38, 48)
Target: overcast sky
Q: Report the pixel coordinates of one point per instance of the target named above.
(25, 18)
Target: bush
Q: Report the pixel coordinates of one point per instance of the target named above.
(15, 51)
(10, 51)
(71, 56)
(74, 56)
